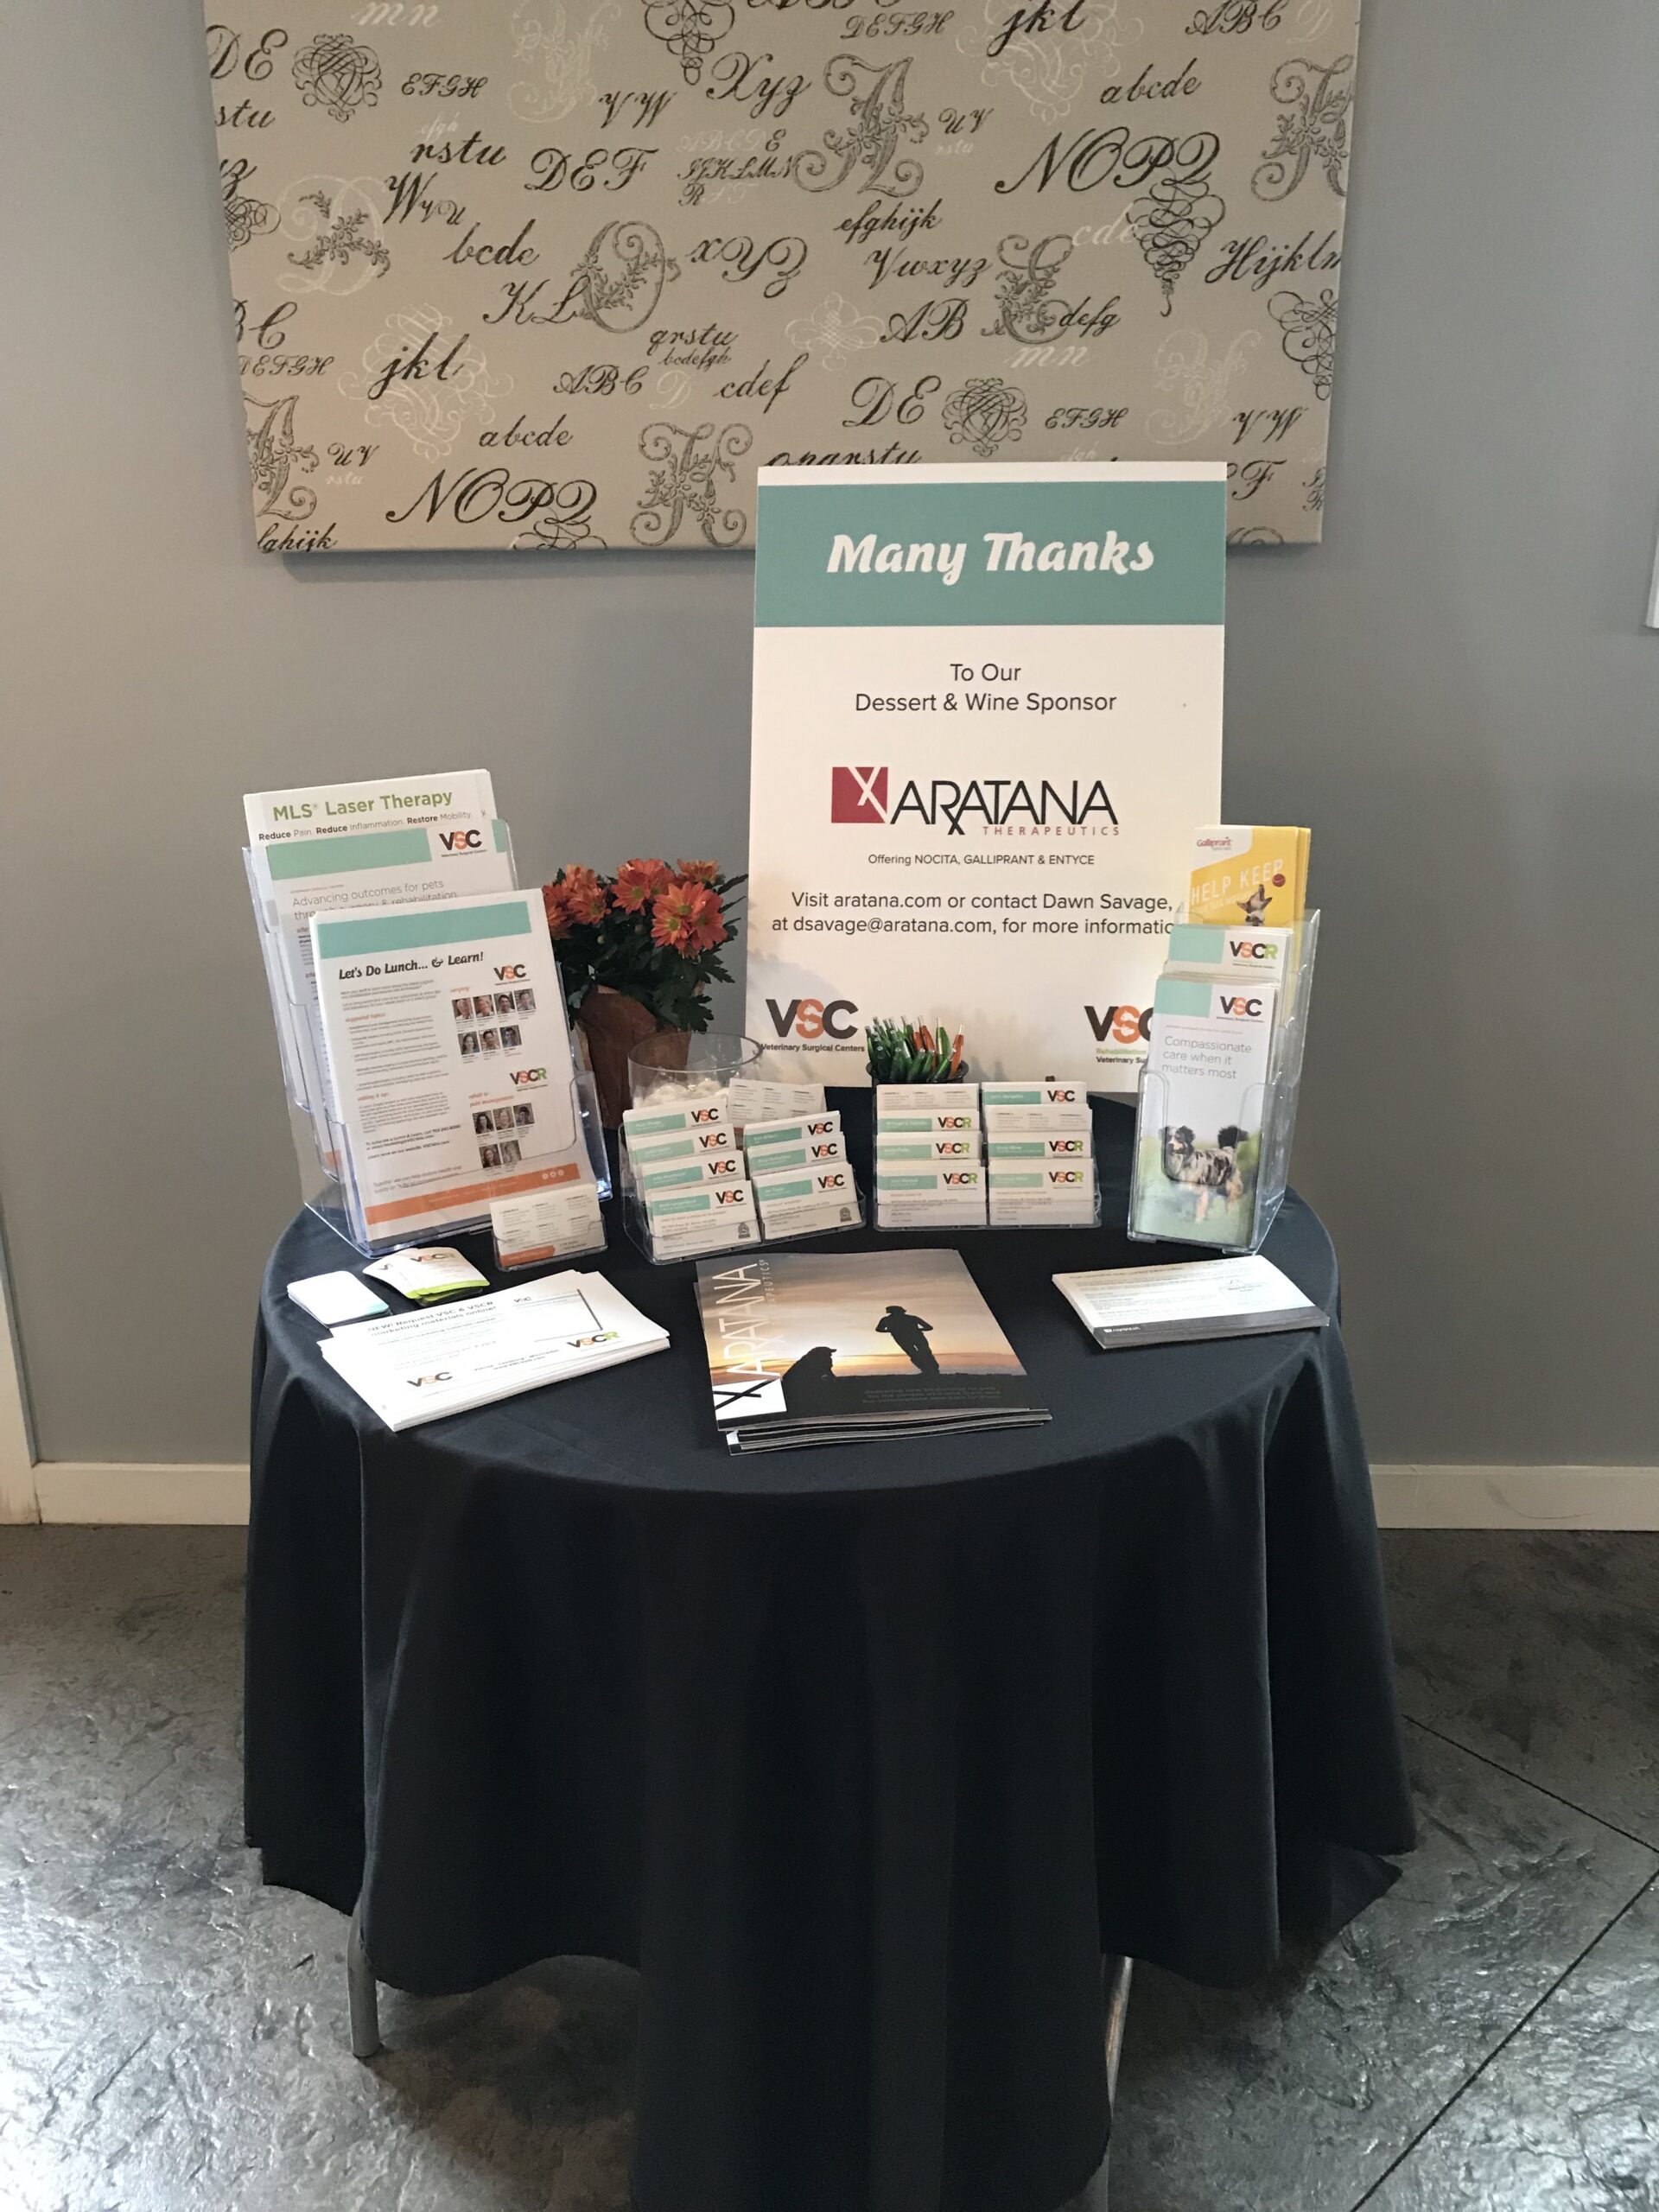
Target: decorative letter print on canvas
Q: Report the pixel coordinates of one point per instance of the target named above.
(562, 273)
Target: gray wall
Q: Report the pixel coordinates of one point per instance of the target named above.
(1455, 689)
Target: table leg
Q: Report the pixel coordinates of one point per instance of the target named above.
(1116, 1974)
(1119, 1974)
(362, 1997)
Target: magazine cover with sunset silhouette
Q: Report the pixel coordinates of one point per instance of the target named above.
(821, 1348)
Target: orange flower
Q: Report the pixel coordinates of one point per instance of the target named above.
(709, 929)
(678, 915)
(637, 881)
(697, 871)
(583, 893)
(558, 918)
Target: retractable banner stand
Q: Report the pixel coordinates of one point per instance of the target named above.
(987, 723)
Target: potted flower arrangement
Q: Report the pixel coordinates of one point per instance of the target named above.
(637, 951)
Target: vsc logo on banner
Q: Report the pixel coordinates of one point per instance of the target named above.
(813, 1019)
(1120, 1025)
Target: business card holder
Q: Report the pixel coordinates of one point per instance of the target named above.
(746, 1231)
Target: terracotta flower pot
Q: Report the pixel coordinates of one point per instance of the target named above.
(612, 1026)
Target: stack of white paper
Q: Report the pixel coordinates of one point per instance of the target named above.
(1187, 1302)
(417, 1367)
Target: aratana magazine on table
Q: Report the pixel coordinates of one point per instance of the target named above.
(819, 1348)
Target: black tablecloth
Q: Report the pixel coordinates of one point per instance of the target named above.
(864, 1755)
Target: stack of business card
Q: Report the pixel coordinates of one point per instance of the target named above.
(804, 1182)
(685, 1171)
(929, 1170)
(1039, 1155)
(751, 1099)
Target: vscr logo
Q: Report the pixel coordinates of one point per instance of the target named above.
(1065, 1144)
(955, 1176)
(1124, 1025)
(463, 841)
(525, 1077)
(1247, 1009)
(858, 794)
(580, 1343)
(513, 974)
(952, 1147)
(812, 1017)
(861, 795)
(1062, 1177)
(1250, 948)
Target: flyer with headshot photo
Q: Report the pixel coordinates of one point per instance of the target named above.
(425, 1106)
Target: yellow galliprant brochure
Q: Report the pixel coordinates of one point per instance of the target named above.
(1248, 874)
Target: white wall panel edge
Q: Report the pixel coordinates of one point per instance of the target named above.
(135, 1493)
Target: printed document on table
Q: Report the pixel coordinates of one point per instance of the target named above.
(415, 1367)
(1187, 1300)
(446, 1041)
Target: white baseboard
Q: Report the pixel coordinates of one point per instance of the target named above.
(1516, 1498)
(1406, 1497)
(141, 1493)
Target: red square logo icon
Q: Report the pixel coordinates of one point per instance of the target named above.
(858, 794)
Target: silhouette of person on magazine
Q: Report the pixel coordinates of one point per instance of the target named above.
(910, 1333)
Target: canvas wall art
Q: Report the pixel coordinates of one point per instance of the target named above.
(560, 274)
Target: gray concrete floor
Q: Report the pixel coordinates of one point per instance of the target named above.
(172, 2036)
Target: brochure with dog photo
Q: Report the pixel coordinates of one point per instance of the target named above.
(1203, 1099)
(820, 1348)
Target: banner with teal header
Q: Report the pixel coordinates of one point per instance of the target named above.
(999, 549)
(987, 721)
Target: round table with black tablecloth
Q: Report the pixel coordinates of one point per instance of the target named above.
(863, 1755)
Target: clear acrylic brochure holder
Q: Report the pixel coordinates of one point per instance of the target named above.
(1230, 1212)
(321, 1154)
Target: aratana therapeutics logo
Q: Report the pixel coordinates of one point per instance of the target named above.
(1020, 804)
(858, 794)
